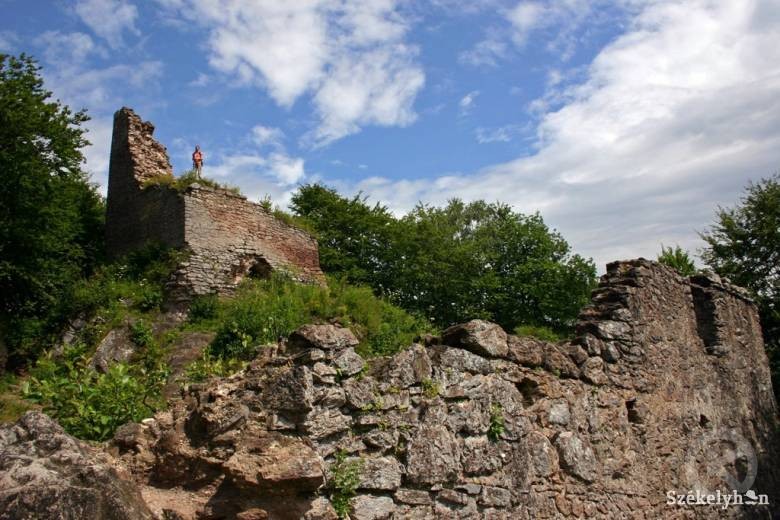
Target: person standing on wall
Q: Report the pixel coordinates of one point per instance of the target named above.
(197, 160)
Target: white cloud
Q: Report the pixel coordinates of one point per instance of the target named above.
(267, 136)
(276, 175)
(288, 170)
(495, 135)
(468, 102)
(71, 48)
(258, 173)
(672, 120)
(201, 80)
(8, 40)
(486, 52)
(376, 87)
(97, 153)
(556, 26)
(97, 88)
(348, 54)
(109, 19)
(525, 17)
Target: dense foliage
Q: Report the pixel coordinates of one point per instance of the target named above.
(744, 245)
(678, 259)
(263, 311)
(50, 215)
(90, 404)
(453, 263)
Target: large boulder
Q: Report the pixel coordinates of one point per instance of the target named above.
(275, 462)
(479, 336)
(46, 473)
(325, 337)
(116, 347)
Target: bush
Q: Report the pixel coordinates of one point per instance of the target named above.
(678, 259)
(263, 311)
(203, 308)
(208, 366)
(141, 334)
(91, 405)
(542, 333)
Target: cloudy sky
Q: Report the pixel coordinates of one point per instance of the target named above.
(624, 122)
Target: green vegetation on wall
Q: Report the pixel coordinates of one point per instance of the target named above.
(678, 259)
(187, 179)
(263, 311)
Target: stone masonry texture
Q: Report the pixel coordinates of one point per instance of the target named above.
(227, 236)
(480, 424)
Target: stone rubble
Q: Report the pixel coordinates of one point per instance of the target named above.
(478, 423)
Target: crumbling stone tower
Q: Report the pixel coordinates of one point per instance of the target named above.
(228, 237)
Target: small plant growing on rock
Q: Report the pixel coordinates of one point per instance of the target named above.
(141, 334)
(344, 480)
(431, 388)
(374, 406)
(496, 428)
(209, 366)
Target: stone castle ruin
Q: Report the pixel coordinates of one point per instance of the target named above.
(227, 236)
(665, 392)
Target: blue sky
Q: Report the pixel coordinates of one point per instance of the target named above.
(624, 122)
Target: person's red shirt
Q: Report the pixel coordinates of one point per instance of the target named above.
(197, 156)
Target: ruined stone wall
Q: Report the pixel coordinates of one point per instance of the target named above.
(227, 236)
(137, 216)
(230, 237)
(481, 424)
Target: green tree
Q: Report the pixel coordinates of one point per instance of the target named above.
(484, 260)
(454, 263)
(353, 236)
(678, 259)
(744, 245)
(50, 215)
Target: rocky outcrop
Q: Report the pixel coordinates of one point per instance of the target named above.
(665, 389)
(45, 473)
(481, 424)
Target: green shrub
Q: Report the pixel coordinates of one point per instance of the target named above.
(263, 311)
(538, 332)
(92, 405)
(344, 480)
(203, 308)
(141, 334)
(678, 259)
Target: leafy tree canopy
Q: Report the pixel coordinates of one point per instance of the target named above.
(450, 264)
(50, 215)
(744, 245)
